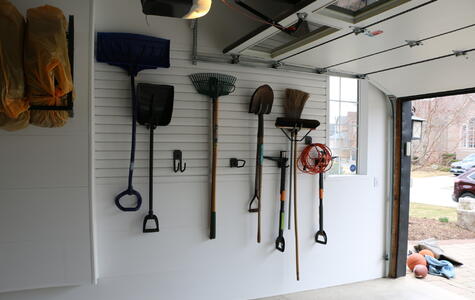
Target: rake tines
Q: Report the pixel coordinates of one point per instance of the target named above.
(213, 85)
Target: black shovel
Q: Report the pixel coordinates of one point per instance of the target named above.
(282, 164)
(261, 103)
(155, 107)
(321, 235)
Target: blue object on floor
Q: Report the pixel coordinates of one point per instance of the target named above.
(440, 267)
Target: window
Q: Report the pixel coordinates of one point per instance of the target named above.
(355, 11)
(355, 6)
(343, 125)
(468, 134)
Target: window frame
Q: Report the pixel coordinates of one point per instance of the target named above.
(360, 159)
(370, 11)
(468, 134)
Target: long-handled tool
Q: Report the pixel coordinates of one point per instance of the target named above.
(133, 53)
(317, 159)
(155, 108)
(293, 107)
(321, 235)
(213, 85)
(261, 103)
(282, 164)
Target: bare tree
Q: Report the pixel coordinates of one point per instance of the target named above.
(440, 115)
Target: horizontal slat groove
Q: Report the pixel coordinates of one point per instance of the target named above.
(189, 129)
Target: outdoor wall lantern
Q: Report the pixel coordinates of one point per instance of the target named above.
(417, 127)
(184, 9)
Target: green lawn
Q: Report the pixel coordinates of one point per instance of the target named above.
(419, 210)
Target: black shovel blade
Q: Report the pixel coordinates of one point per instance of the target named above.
(262, 100)
(154, 104)
(321, 237)
(150, 218)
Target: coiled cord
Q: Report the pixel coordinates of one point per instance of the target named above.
(315, 158)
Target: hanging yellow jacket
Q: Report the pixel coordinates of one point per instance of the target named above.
(14, 113)
(46, 61)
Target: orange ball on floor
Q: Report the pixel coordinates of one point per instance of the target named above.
(415, 259)
(426, 252)
(420, 271)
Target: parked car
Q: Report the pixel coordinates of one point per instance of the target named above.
(462, 166)
(464, 185)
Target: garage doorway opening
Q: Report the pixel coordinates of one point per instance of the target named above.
(443, 144)
(418, 159)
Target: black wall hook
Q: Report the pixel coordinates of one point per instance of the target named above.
(178, 165)
(237, 163)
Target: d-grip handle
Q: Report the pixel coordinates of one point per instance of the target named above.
(321, 237)
(280, 243)
(147, 219)
(251, 203)
(129, 192)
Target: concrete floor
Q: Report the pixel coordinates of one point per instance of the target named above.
(406, 288)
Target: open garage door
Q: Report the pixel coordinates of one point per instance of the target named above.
(403, 47)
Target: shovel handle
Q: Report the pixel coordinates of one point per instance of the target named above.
(129, 192)
(148, 218)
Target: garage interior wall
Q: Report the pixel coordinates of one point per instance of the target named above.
(44, 185)
(180, 262)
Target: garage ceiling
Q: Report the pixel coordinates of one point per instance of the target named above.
(454, 21)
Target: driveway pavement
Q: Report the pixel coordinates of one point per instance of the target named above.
(436, 190)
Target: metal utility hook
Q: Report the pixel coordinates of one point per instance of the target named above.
(178, 165)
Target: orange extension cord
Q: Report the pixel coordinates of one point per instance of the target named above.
(315, 158)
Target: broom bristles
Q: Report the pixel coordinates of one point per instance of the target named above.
(295, 103)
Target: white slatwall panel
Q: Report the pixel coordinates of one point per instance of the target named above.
(189, 128)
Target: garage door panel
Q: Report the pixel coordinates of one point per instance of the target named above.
(442, 75)
(433, 19)
(430, 49)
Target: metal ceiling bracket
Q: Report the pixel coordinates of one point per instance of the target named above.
(412, 43)
(302, 16)
(321, 70)
(358, 30)
(277, 65)
(458, 53)
(235, 59)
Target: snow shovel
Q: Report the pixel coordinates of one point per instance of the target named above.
(213, 85)
(155, 108)
(133, 53)
(261, 103)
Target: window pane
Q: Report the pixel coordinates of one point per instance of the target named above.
(349, 114)
(334, 112)
(354, 5)
(349, 89)
(348, 161)
(334, 88)
(343, 125)
(335, 170)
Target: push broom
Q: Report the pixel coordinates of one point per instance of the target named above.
(213, 85)
(293, 107)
